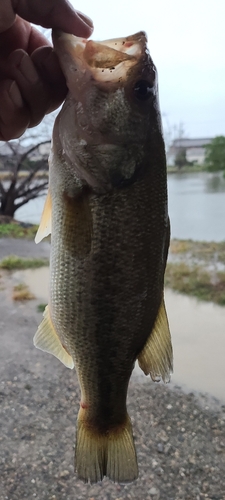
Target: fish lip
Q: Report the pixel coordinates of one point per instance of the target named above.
(139, 37)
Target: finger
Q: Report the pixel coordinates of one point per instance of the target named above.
(33, 90)
(21, 35)
(7, 17)
(14, 115)
(47, 65)
(55, 14)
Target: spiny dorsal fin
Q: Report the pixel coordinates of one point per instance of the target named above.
(156, 358)
(45, 227)
(47, 340)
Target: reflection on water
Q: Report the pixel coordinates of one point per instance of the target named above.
(198, 335)
(37, 280)
(196, 206)
(215, 184)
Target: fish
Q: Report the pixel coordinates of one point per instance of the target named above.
(107, 212)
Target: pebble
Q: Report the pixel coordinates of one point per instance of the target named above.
(160, 448)
(154, 492)
(64, 473)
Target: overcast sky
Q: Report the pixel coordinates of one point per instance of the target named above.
(187, 44)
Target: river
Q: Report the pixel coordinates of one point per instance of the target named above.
(196, 206)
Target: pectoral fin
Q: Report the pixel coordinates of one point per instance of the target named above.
(46, 220)
(156, 358)
(47, 340)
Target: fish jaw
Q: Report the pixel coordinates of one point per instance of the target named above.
(108, 62)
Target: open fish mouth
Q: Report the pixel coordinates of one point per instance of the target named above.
(109, 60)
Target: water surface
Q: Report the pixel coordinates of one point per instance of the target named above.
(196, 206)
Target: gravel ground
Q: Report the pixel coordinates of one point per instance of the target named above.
(23, 248)
(180, 438)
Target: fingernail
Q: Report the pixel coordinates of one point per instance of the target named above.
(15, 95)
(27, 68)
(86, 19)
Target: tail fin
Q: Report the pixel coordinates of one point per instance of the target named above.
(111, 454)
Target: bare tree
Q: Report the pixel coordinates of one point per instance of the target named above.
(17, 190)
(172, 132)
(24, 167)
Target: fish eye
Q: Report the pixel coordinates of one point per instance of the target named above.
(143, 90)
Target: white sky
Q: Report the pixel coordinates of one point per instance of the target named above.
(187, 44)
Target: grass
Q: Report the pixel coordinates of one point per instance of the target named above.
(21, 292)
(15, 230)
(197, 268)
(41, 307)
(201, 250)
(186, 169)
(13, 262)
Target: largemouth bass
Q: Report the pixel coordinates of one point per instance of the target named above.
(107, 208)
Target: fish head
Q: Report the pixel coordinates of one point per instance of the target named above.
(111, 111)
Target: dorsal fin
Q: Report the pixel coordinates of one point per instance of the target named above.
(46, 220)
(156, 358)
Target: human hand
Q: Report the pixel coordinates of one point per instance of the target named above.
(31, 81)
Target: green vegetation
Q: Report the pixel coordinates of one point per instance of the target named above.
(196, 281)
(15, 230)
(186, 169)
(41, 307)
(205, 251)
(13, 262)
(197, 268)
(215, 154)
(22, 292)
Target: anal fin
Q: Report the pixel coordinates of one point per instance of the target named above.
(47, 340)
(156, 358)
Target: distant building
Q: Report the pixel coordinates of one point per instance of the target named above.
(194, 148)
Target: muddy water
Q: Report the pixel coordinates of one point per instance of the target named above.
(37, 281)
(198, 334)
